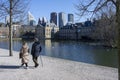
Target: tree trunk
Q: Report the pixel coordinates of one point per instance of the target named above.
(10, 31)
(118, 26)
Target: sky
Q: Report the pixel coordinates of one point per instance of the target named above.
(43, 8)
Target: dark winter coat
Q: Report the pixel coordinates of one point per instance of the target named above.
(36, 49)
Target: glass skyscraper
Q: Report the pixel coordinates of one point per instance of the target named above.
(53, 17)
(62, 19)
(70, 18)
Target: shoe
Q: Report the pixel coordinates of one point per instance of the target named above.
(36, 65)
(27, 68)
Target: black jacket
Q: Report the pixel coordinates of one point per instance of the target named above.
(36, 49)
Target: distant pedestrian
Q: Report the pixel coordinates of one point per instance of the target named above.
(35, 51)
(24, 55)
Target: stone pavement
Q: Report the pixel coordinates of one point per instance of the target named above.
(52, 69)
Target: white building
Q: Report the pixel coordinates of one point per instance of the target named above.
(7, 19)
(31, 19)
(62, 19)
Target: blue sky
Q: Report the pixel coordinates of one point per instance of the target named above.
(43, 8)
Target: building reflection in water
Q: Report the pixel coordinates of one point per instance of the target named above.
(48, 47)
(52, 48)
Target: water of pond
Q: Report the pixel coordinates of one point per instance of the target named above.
(73, 50)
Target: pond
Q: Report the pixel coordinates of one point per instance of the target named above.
(72, 50)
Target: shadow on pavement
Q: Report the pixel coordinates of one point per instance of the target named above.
(9, 66)
(4, 56)
(15, 67)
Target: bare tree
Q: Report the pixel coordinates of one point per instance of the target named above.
(19, 8)
(94, 7)
(13, 8)
(86, 7)
(105, 29)
(118, 27)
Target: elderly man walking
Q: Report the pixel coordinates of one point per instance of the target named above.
(35, 51)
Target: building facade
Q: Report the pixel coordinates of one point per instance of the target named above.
(62, 19)
(47, 32)
(16, 28)
(70, 18)
(40, 32)
(4, 32)
(7, 19)
(67, 34)
(42, 21)
(31, 19)
(53, 18)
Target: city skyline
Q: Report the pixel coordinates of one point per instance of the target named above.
(44, 8)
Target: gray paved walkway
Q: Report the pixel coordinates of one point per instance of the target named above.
(53, 69)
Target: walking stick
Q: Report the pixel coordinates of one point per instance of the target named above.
(41, 60)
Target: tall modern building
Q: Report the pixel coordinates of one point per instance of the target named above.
(31, 19)
(7, 19)
(62, 19)
(70, 18)
(53, 17)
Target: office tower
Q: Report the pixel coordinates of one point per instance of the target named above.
(7, 19)
(70, 18)
(53, 17)
(31, 19)
(62, 19)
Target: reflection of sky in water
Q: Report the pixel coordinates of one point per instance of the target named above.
(77, 51)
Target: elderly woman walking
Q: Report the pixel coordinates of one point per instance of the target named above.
(24, 54)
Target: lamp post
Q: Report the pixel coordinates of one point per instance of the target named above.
(10, 30)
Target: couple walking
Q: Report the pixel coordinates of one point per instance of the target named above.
(35, 52)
